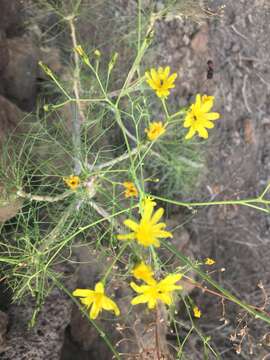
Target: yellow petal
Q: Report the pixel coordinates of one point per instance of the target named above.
(167, 71)
(152, 84)
(83, 293)
(212, 116)
(190, 134)
(208, 124)
(157, 216)
(141, 299)
(130, 236)
(110, 305)
(188, 121)
(164, 234)
(206, 106)
(154, 76)
(95, 310)
(99, 288)
(172, 78)
(166, 298)
(131, 224)
(136, 287)
(168, 284)
(202, 132)
(152, 302)
(87, 301)
(197, 105)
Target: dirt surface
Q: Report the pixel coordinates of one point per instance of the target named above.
(237, 167)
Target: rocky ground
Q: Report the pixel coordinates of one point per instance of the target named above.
(238, 157)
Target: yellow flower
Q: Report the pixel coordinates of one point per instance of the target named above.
(154, 291)
(209, 261)
(148, 231)
(156, 129)
(97, 299)
(197, 312)
(161, 81)
(130, 189)
(198, 117)
(72, 182)
(143, 272)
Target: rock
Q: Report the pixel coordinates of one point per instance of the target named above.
(45, 340)
(10, 117)
(10, 16)
(3, 330)
(4, 56)
(199, 42)
(20, 75)
(10, 209)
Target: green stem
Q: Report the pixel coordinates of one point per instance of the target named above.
(114, 262)
(165, 110)
(244, 202)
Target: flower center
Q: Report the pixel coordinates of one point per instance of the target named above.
(145, 234)
(98, 298)
(161, 82)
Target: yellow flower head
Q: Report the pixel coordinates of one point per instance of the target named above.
(72, 182)
(154, 291)
(156, 129)
(143, 272)
(198, 117)
(209, 261)
(161, 81)
(197, 312)
(97, 300)
(148, 231)
(130, 189)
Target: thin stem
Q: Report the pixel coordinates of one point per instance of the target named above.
(227, 294)
(77, 108)
(264, 192)
(45, 198)
(114, 262)
(165, 109)
(244, 202)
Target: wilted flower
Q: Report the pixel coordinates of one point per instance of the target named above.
(97, 300)
(161, 81)
(198, 117)
(130, 189)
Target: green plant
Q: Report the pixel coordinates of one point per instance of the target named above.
(55, 218)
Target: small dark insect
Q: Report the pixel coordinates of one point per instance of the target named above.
(210, 69)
